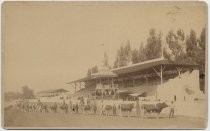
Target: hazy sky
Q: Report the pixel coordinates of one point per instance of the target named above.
(47, 45)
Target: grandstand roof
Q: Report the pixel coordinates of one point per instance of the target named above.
(103, 74)
(84, 79)
(142, 66)
(148, 65)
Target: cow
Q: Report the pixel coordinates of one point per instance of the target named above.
(64, 107)
(54, 108)
(126, 108)
(75, 108)
(153, 108)
(108, 109)
(87, 109)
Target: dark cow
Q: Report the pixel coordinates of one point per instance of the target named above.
(65, 108)
(108, 109)
(75, 108)
(154, 108)
(54, 108)
(87, 109)
(126, 108)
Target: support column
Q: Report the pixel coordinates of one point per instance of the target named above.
(179, 69)
(133, 82)
(122, 83)
(146, 80)
(75, 87)
(102, 94)
(160, 74)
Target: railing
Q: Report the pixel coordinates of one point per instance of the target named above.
(111, 86)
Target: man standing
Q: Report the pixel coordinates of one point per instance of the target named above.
(70, 106)
(137, 108)
(172, 106)
(114, 110)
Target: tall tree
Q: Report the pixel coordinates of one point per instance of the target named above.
(175, 42)
(94, 69)
(127, 53)
(142, 55)
(201, 51)
(135, 56)
(27, 93)
(153, 46)
(191, 47)
(89, 72)
(123, 57)
(105, 60)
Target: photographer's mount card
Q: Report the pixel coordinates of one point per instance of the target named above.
(104, 65)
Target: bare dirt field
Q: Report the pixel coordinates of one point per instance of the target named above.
(17, 119)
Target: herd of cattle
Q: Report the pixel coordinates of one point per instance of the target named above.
(142, 110)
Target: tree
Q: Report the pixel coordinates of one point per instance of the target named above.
(201, 52)
(127, 53)
(135, 56)
(175, 42)
(191, 47)
(153, 46)
(9, 96)
(105, 60)
(142, 56)
(116, 62)
(94, 69)
(89, 72)
(27, 93)
(200, 59)
(123, 57)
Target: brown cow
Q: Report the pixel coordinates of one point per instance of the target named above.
(126, 108)
(154, 108)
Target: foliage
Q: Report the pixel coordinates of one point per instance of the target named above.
(176, 43)
(105, 61)
(123, 57)
(27, 93)
(9, 96)
(153, 46)
(91, 70)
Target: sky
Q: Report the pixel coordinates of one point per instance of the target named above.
(46, 45)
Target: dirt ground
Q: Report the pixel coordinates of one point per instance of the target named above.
(17, 119)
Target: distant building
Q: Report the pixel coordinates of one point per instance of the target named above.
(51, 93)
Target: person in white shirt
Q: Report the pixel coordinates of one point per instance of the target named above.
(172, 106)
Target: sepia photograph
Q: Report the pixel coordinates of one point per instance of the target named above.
(104, 65)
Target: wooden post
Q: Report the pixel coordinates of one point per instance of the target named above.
(146, 80)
(133, 82)
(160, 74)
(179, 70)
(102, 94)
(75, 87)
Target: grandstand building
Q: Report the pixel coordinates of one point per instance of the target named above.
(143, 80)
